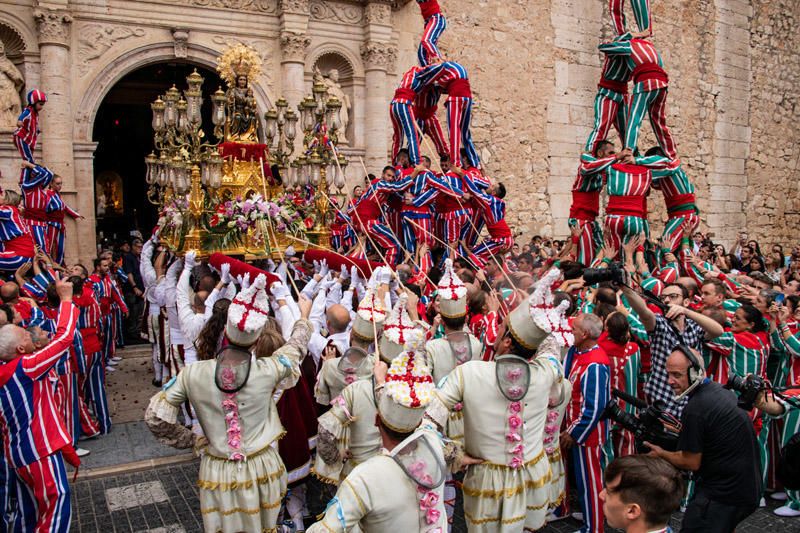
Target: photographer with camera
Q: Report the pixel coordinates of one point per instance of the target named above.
(717, 441)
(678, 325)
(789, 464)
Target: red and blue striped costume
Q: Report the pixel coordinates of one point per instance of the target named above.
(610, 101)
(455, 82)
(585, 205)
(649, 90)
(56, 208)
(366, 214)
(27, 133)
(589, 373)
(34, 434)
(92, 382)
(17, 244)
(493, 211)
(108, 296)
(480, 183)
(35, 196)
(435, 24)
(454, 214)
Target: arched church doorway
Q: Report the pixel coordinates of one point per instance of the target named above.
(123, 131)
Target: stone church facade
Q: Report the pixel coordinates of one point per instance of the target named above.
(734, 67)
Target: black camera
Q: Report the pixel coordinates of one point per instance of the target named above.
(614, 272)
(648, 426)
(748, 389)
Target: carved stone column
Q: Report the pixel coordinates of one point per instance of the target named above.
(293, 47)
(378, 58)
(54, 28)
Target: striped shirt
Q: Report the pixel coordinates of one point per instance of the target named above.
(35, 194)
(11, 225)
(741, 353)
(28, 128)
(639, 55)
(31, 425)
(590, 376)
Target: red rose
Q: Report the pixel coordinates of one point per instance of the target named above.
(309, 222)
(214, 221)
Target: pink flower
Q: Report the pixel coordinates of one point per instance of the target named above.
(549, 450)
(514, 421)
(349, 378)
(432, 516)
(516, 462)
(515, 407)
(426, 479)
(517, 450)
(513, 374)
(548, 439)
(552, 416)
(429, 500)
(515, 391)
(458, 407)
(417, 468)
(550, 428)
(513, 437)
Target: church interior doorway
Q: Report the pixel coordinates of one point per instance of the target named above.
(123, 131)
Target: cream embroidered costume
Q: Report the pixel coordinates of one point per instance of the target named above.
(399, 489)
(242, 479)
(505, 413)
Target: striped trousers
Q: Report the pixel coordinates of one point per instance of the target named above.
(619, 229)
(791, 427)
(39, 234)
(428, 47)
(474, 228)
(459, 117)
(43, 496)
(417, 230)
(589, 241)
(490, 246)
(66, 398)
(607, 112)
(654, 103)
(678, 227)
(431, 127)
(55, 242)
(641, 12)
(384, 239)
(26, 153)
(404, 127)
(588, 469)
(95, 391)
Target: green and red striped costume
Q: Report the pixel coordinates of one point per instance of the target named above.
(586, 205)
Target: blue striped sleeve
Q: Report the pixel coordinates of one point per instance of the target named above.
(595, 393)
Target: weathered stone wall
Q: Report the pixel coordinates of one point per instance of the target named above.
(733, 67)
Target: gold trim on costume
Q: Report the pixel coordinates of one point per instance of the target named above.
(512, 520)
(237, 510)
(324, 479)
(254, 454)
(239, 485)
(508, 492)
(359, 501)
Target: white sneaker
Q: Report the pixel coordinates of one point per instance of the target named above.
(116, 359)
(110, 368)
(82, 452)
(578, 516)
(763, 502)
(786, 511)
(779, 496)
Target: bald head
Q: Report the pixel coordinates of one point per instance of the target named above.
(338, 318)
(9, 292)
(14, 342)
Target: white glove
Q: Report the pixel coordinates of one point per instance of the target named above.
(344, 274)
(327, 282)
(385, 275)
(324, 269)
(190, 260)
(226, 273)
(243, 280)
(271, 265)
(355, 279)
(280, 291)
(281, 271)
(316, 267)
(289, 252)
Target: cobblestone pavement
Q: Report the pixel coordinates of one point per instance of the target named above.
(164, 500)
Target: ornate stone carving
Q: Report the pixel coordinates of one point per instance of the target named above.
(377, 55)
(53, 26)
(294, 46)
(378, 13)
(294, 6)
(339, 12)
(260, 6)
(11, 81)
(95, 39)
(181, 38)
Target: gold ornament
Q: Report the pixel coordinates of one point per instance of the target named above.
(237, 60)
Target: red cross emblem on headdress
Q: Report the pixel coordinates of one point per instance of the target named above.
(371, 308)
(248, 307)
(451, 286)
(409, 377)
(401, 328)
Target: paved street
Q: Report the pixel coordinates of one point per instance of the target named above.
(164, 500)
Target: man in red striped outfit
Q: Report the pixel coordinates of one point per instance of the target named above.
(35, 186)
(27, 132)
(649, 90)
(34, 437)
(366, 215)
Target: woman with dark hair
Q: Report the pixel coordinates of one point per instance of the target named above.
(756, 264)
(210, 340)
(625, 366)
(743, 350)
(752, 243)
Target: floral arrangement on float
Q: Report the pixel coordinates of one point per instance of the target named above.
(171, 220)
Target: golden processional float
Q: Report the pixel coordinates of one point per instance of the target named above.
(239, 195)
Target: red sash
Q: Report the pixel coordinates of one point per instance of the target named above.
(585, 205)
(649, 71)
(678, 201)
(22, 246)
(629, 206)
(618, 86)
(429, 9)
(91, 342)
(459, 87)
(402, 93)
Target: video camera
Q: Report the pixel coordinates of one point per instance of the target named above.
(648, 426)
(614, 272)
(748, 389)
